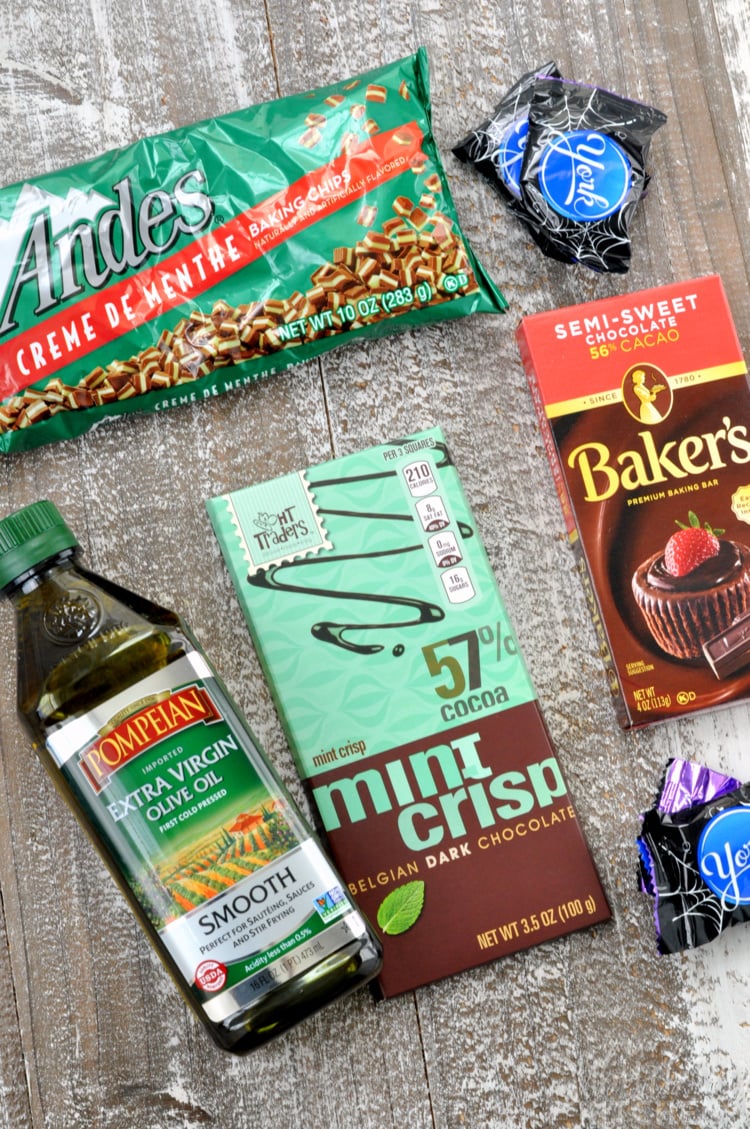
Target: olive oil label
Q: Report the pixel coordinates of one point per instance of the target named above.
(240, 895)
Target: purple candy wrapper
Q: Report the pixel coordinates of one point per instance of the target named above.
(684, 785)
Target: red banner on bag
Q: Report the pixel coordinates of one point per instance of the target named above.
(88, 324)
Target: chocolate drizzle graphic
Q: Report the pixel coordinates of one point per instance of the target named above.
(424, 611)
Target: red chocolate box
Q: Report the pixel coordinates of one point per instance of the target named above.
(644, 405)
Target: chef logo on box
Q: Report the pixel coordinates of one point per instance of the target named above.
(647, 394)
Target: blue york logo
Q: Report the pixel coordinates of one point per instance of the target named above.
(584, 175)
(724, 856)
(510, 153)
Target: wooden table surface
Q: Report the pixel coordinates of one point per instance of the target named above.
(593, 1030)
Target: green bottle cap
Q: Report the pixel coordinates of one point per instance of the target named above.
(30, 536)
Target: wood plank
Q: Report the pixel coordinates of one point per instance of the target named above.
(592, 1030)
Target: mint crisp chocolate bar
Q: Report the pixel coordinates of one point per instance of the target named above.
(409, 708)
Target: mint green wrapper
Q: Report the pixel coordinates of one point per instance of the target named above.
(210, 256)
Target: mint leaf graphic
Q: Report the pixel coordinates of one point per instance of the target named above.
(400, 909)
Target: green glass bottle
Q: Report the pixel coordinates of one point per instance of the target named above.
(150, 752)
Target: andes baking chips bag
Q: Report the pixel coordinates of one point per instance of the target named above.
(207, 257)
(569, 160)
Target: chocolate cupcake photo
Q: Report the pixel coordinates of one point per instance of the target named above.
(693, 588)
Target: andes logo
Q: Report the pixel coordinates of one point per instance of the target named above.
(53, 247)
(603, 474)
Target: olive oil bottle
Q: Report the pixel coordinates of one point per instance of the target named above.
(149, 751)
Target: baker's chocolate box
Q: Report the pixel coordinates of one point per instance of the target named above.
(644, 406)
(409, 708)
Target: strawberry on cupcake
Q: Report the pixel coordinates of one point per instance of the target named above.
(693, 588)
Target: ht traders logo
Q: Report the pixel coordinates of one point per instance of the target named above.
(52, 248)
(279, 528)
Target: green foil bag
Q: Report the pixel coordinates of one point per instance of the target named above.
(204, 258)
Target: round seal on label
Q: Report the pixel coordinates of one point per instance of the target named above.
(724, 856)
(741, 503)
(509, 155)
(211, 975)
(584, 175)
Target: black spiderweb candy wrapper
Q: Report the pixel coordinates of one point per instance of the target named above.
(683, 785)
(696, 863)
(496, 148)
(584, 171)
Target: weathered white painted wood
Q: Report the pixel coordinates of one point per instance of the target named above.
(592, 1031)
